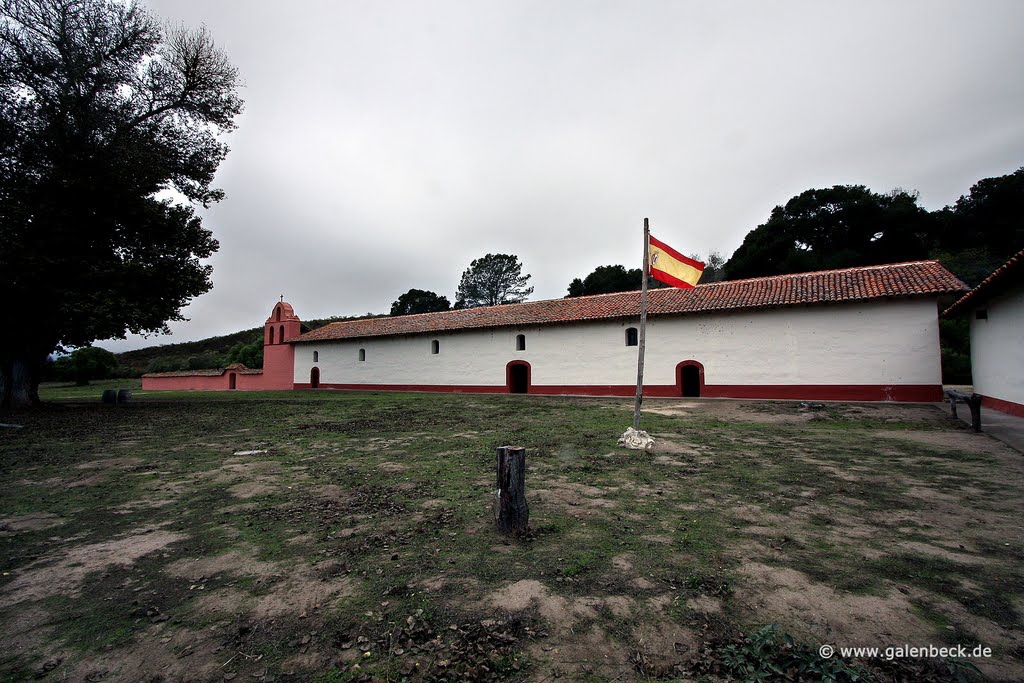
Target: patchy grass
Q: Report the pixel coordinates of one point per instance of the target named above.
(335, 536)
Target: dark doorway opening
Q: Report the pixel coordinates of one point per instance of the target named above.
(231, 381)
(518, 378)
(314, 378)
(691, 381)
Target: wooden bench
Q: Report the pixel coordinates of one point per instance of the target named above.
(972, 400)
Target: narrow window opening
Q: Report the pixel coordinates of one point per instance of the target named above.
(520, 342)
(271, 335)
(281, 337)
(435, 347)
(277, 314)
(631, 336)
(362, 354)
(316, 356)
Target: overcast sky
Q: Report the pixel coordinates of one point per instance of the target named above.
(385, 145)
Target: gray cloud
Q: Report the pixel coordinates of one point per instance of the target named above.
(387, 144)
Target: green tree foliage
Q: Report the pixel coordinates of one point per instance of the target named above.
(983, 229)
(714, 267)
(491, 280)
(605, 280)
(101, 109)
(85, 364)
(250, 355)
(842, 226)
(419, 301)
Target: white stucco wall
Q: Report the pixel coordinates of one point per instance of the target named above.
(876, 343)
(997, 348)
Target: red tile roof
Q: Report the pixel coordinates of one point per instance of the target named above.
(212, 372)
(919, 278)
(995, 284)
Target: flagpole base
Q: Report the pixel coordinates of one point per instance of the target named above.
(636, 440)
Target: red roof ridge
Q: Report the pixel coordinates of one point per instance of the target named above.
(989, 283)
(859, 283)
(833, 271)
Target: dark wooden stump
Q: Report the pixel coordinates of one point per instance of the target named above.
(511, 513)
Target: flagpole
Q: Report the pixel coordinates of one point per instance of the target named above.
(643, 329)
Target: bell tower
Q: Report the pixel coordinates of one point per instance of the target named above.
(278, 352)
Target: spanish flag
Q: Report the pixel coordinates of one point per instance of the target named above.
(669, 266)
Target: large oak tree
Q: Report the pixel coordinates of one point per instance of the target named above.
(491, 280)
(102, 112)
(836, 227)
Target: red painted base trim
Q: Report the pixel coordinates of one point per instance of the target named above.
(923, 393)
(443, 388)
(1008, 407)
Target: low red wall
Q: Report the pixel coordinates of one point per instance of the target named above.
(1008, 407)
(204, 383)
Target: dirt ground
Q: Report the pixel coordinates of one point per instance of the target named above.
(306, 553)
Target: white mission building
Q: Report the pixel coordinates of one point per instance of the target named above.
(996, 310)
(868, 334)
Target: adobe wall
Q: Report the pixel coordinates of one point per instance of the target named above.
(997, 352)
(880, 350)
(203, 382)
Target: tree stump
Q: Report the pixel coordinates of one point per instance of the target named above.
(511, 513)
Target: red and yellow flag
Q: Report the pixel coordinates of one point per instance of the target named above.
(669, 266)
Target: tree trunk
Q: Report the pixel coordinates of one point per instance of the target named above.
(511, 513)
(19, 383)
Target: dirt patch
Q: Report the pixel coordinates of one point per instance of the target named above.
(577, 500)
(64, 572)
(240, 562)
(34, 521)
(300, 595)
(591, 653)
(661, 649)
(251, 489)
(176, 656)
(280, 590)
(789, 597)
(562, 613)
(950, 440)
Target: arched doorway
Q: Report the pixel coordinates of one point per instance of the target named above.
(231, 381)
(517, 375)
(314, 378)
(690, 379)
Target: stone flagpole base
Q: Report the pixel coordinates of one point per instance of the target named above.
(636, 440)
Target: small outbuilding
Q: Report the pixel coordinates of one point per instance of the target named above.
(996, 311)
